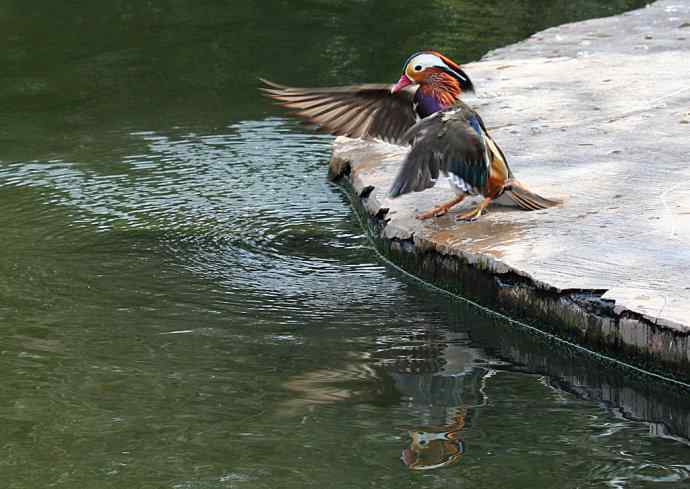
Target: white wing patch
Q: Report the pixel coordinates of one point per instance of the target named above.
(458, 184)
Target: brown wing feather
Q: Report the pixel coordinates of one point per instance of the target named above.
(366, 111)
(445, 142)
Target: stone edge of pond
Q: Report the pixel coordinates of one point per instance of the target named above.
(584, 316)
(578, 315)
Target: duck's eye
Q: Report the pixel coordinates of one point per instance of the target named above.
(418, 68)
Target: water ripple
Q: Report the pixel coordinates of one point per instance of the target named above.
(249, 209)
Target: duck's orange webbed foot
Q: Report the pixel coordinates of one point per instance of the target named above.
(437, 211)
(440, 210)
(475, 213)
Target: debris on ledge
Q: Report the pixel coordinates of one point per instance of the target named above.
(597, 113)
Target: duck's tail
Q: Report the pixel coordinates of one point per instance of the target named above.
(519, 195)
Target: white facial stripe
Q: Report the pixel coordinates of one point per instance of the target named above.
(426, 60)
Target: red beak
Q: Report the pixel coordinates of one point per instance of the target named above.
(408, 457)
(402, 83)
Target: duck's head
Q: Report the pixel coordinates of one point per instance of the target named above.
(431, 68)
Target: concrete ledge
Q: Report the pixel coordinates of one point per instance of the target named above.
(598, 113)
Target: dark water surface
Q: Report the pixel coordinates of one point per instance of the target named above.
(186, 302)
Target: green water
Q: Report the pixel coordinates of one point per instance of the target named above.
(186, 302)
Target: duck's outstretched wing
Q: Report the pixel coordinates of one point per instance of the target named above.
(357, 111)
(451, 142)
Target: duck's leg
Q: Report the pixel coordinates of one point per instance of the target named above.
(474, 214)
(441, 209)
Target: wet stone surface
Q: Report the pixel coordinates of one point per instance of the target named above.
(595, 113)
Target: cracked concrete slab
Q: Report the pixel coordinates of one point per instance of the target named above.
(596, 113)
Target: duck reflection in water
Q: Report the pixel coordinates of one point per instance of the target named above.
(436, 375)
(435, 447)
(453, 396)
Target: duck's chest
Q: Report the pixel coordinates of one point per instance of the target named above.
(426, 103)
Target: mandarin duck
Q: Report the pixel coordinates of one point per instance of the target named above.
(422, 110)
